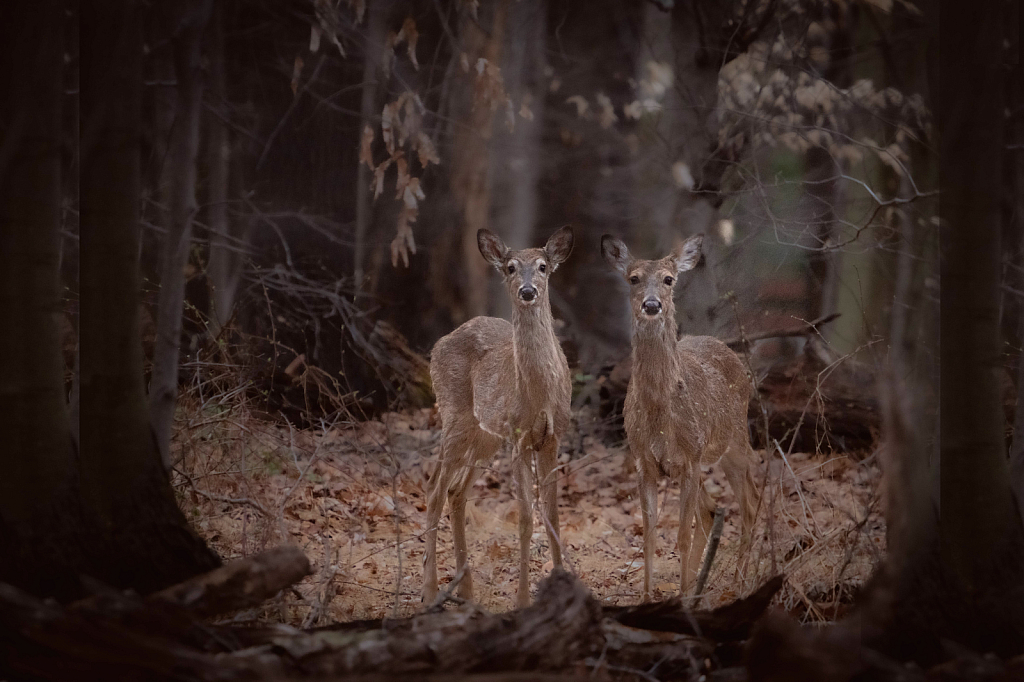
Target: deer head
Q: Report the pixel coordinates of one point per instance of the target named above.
(526, 272)
(651, 281)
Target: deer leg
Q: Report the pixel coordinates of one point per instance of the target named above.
(705, 508)
(439, 485)
(457, 505)
(525, 485)
(687, 500)
(547, 459)
(647, 480)
(737, 468)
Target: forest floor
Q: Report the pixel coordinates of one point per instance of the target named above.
(353, 497)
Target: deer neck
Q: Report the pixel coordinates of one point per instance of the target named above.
(654, 350)
(534, 346)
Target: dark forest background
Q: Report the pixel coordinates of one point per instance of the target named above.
(278, 202)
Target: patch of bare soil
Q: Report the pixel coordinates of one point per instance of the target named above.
(353, 496)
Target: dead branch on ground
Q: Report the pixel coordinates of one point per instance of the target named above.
(162, 636)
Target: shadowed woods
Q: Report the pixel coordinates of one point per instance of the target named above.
(253, 350)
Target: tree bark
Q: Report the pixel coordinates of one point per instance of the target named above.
(368, 112)
(515, 157)
(979, 528)
(471, 178)
(184, 148)
(37, 453)
(910, 399)
(823, 266)
(32, 405)
(956, 559)
(137, 536)
(1017, 165)
(826, 190)
(956, 552)
(226, 260)
(666, 210)
(240, 584)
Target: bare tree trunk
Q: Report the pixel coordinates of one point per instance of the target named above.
(978, 560)
(32, 404)
(471, 179)
(225, 266)
(38, 460)
(184, 148)
(826, 190)
(823, 265)
(956, 553)
(670, 163)
(977, 518)
(1017, 137)
(136, 535)
(515, 158)
(957, 547)
(910, 398)
(372, 54)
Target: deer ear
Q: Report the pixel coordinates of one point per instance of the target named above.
(687, 254)
(615, 253)
(559, 246)
(491, 248)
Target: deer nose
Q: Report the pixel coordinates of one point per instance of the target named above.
(527, 293)
(652, 306)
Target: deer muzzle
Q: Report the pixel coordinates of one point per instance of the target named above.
(652, 306)
(527, 293)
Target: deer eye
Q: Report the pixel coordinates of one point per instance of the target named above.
(511, 269)
(634, 280)
(542, 267)
(668, 281)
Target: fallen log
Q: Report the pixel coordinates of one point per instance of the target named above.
(239, 584)
(120, 635)
(561, 626)
(144, 639)
(43, 641)
(731, 622)
(673, 655)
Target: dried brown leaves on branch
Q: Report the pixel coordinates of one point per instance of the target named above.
(329, 24)
(401, 122)
(402, 131)
(489, 92)
(408, 35)
(771, 95)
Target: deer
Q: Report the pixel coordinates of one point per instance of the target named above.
(686, 405)
(501, 384)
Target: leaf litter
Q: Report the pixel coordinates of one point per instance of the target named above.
(353, 497)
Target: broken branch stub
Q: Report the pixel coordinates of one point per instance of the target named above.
(239, 584)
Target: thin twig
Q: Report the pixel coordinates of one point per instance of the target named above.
(806, 330)
(224, 498)
(448, 593)
(325, 591)
(288, 113)
(712, 549)
(621, 669)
